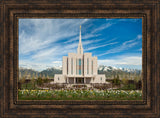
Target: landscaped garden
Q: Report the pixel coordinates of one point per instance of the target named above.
(73, 94)
(34, 89)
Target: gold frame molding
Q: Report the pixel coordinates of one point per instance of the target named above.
(12, 10)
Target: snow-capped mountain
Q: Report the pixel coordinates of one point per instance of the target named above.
(106, 68)
(111, 68)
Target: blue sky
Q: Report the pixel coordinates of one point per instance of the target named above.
(116, 42)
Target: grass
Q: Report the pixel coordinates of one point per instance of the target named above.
(79, 95)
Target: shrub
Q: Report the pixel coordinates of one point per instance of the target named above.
(129, 87)
(46, 80)
(33, 81)
(39, 81)
(116, 80)
(124, 81)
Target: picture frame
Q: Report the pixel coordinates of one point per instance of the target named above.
(11, 10)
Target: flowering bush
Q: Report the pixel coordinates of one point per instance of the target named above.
(79, 94)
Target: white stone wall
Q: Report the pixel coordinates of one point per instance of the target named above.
(99, 78)
(59, 78)
(74, 57)
(69, 65)
(87, 56)
(88, 80)
(64, 65)
(95, 66)
(68, 68)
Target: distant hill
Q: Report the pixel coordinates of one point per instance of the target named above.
(24, 71)
(50, 72)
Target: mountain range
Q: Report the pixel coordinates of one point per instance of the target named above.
(111, 68)
(109, 71)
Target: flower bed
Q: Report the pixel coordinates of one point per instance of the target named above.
(79, 95)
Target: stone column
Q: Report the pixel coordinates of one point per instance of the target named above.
(84, 80)
(74, 80)
(67, 80)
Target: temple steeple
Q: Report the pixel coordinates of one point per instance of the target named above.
(80, 48)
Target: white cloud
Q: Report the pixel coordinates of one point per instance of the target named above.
(45, 54)
(52, 53)
(102, 27)
(84, 37)
(125, 45)
(92, 34)
(122, 60)
(84, 21)
(45, 32)
(139, 36)
(57, 62)
(140, 49)
(35, 65)
(95, 47)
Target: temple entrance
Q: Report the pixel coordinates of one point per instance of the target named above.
(80, 80)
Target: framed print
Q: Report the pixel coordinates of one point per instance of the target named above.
(49, 74)
(79, 58)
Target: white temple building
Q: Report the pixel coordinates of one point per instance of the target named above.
(79, 68)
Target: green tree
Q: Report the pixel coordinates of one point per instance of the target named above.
(36, 76)
(39, 81)
(28, 76)
(136, 79)
(22, 81)
(116, 80)
(46, 79)
(25, 77)
(33, 81)
(124, 81)
(20, 75)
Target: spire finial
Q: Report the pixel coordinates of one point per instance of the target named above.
(80, 49)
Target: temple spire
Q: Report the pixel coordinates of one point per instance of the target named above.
(80, 35)
(80, 48)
